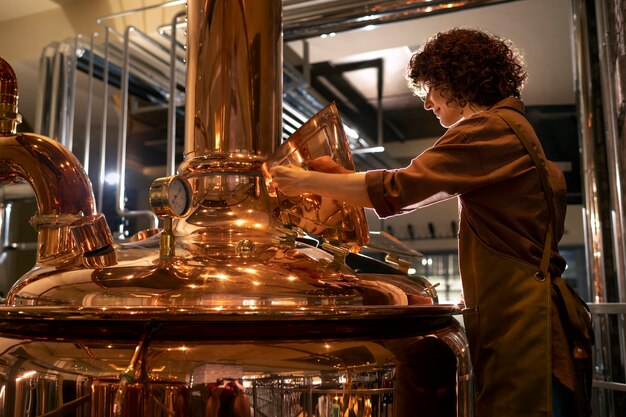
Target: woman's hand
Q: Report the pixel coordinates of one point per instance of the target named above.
(326, 164)
(293, 180)
(289, 179)
(349, 187)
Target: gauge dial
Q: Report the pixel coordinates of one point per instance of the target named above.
(171, 196)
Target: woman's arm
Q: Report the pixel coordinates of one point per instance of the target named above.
(349, 188)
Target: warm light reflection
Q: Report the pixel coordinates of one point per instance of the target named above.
(291, 278)
(26, 375)
(181, 349)
(283, 302)
(218, 136)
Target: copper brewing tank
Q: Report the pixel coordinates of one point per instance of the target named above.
(227, 311)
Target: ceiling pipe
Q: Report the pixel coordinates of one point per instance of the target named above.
(303, 20)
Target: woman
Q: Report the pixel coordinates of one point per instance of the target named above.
(471, 81)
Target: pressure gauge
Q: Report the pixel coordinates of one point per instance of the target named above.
(171, 196)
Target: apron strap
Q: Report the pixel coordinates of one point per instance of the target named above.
(578, 325)
(540, 163)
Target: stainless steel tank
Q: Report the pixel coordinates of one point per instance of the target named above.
(229, 309)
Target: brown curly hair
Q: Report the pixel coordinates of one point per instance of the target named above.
(468, 66)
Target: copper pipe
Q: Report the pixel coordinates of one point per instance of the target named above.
(170, 166)
(62, 188)
(234, 80)
(232, 117)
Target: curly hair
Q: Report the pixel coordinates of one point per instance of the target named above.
(468, 66)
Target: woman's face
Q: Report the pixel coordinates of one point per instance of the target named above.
(447, 112)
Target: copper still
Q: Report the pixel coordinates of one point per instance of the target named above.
(229, 310)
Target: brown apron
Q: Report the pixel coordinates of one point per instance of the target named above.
(508, 319)
(508, 326)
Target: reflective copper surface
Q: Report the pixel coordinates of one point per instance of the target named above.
(9, 117)
(232, 119)
(338, 222)
(166, 361)
(234, 81)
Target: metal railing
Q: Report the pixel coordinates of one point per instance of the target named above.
(609, 384)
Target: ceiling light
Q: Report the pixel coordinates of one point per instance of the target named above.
(112, 178)
(373, 149)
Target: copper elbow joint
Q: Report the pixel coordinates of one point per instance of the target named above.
(65, 221)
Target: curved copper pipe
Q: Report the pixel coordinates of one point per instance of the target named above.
(63, 190)
(59, 182)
